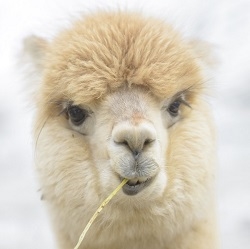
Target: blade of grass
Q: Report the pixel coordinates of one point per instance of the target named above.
(104, 203)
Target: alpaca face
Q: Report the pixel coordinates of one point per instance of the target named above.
(121, 97)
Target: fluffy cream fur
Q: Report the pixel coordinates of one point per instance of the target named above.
(125, 70)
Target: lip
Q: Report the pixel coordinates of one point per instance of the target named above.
(134, 186)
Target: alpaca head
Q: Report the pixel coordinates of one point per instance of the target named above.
(120, 98)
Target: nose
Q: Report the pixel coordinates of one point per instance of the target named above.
(134, 137)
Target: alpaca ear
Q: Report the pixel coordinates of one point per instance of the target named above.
(203, 51)
(35, 49)
(31, 62)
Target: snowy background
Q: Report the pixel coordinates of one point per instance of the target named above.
(225, 23)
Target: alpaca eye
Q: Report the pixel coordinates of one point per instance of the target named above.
(173, 109)
(77, 115)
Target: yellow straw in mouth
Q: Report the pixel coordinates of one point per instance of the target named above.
(104, 203)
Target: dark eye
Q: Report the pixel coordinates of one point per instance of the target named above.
(173, 109)
(77, 115)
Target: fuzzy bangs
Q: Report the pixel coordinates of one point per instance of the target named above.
(106, 51)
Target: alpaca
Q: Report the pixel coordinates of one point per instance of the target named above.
(122, 96)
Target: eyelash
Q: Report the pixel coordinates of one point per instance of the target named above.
(184, 102)
(179, 99)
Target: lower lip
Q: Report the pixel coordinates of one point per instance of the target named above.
(133, 190)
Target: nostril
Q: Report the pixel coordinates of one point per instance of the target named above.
(123, 142)
(148, 141)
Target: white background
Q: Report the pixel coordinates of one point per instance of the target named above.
(225, 23)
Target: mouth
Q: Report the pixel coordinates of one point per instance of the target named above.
(136, 185)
